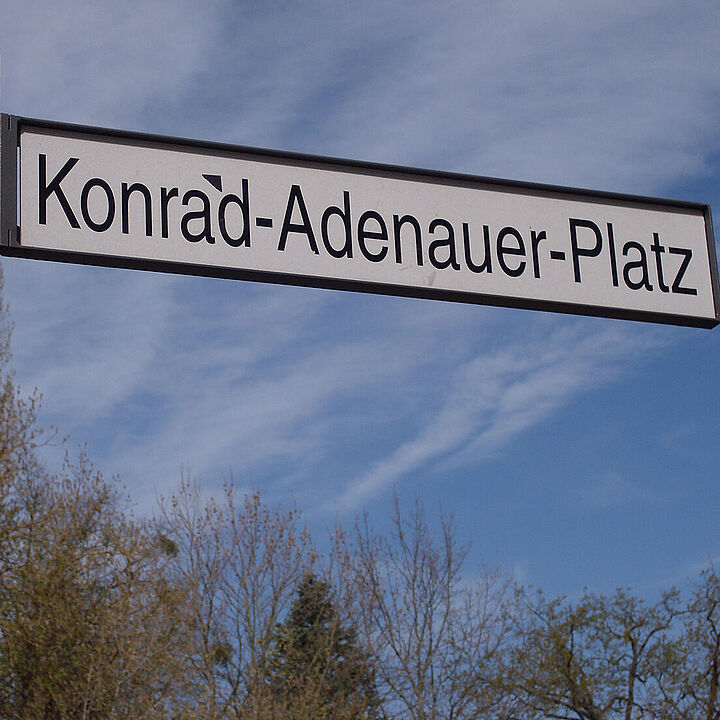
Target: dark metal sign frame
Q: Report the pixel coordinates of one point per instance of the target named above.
(11, 233)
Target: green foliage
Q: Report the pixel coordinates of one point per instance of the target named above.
(316, 668)
(89, 624)
(596, 659)
(689, 675)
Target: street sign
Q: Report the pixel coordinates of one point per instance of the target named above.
(120, 199)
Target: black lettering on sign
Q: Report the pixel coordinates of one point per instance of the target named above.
(686, 257)
(45, 190)
(657, 249)
(535, 240)
(303, 228)
(447, 242)
(110, 200)
(517, 248)
(165, 196)
(640, 264)
(613, 255)
(243, 239)
(486, 265)
(364, 234)
(579, 252)
(126, 192)
(344, 214)
(398, 223)
(205, 232)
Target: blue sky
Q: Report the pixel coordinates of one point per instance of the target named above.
(572, 451)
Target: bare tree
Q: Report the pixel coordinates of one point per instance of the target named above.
(437, 637)
(241, 563)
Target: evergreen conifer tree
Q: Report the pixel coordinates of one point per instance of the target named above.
(317, 668)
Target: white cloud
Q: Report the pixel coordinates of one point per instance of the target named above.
(612, 94)
(83, 328)
(497, 395)
(612, 490)
(102, 63)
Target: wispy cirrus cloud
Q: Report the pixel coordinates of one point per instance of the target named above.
(612, 490)
(101, 63)
(497, 395)
(532, 90)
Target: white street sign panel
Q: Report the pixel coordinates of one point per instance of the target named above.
(105, 197)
